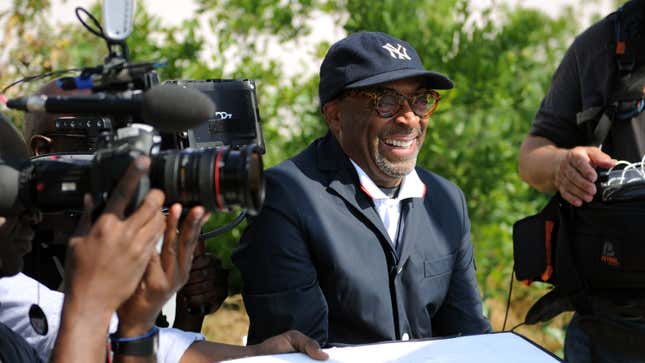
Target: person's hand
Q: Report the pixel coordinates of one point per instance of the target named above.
(575, 174)
(106, 261)
(204, 293)
(290, 341)
(165, 273)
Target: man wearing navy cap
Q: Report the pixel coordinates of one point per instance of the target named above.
(354, 243)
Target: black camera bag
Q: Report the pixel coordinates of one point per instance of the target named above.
(608, 244)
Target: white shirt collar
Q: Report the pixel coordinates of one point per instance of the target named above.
(411, 185)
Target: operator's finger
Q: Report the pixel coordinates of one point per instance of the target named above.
(122, 194)
(205, 260)
(188, 237)
(148, 209)
(581, 162)
(169, 249)
(599, 158)
(571, 198)
(209, 273)
(578, 185)
(147, 236)
(303, 343)
(85, 222)
(154, 276)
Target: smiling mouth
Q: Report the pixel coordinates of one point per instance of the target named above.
(399, 143)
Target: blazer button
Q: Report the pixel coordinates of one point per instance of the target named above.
(399, 270)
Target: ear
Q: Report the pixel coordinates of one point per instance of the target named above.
(40, 145)
(331, 111)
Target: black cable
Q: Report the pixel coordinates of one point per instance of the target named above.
(508, 300)
(40, 76)
(99, 33)
(517, 326)
(216, 232)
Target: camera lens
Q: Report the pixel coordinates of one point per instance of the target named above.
(215, 178)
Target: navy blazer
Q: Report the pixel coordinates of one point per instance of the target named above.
(318, 258)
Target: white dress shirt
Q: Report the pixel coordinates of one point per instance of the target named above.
(389, 209)
(18, 293)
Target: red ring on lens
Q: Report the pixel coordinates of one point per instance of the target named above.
(218, 197)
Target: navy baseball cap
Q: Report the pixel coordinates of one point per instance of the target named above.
(369, 58)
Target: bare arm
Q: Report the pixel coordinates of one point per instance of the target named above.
(291, 341)
(549, 168)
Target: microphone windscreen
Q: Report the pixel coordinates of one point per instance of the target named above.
(174, 108)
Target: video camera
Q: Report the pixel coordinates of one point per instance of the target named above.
(128, 114)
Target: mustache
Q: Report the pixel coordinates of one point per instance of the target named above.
(403, 131)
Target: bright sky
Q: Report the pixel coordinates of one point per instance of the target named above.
(173, 11)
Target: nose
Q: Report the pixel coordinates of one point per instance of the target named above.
(405, 116)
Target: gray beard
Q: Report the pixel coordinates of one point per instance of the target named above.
(391, 170)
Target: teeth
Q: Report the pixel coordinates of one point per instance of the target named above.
(398, 143)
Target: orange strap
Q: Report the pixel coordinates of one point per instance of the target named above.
(620, 47)
(548, 229)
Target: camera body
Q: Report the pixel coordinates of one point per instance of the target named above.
(235, 123)
(129, 114)
(216, 178)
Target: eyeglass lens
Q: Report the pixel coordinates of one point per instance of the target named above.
(387, 105)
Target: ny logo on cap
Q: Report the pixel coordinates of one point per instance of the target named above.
(397, 52)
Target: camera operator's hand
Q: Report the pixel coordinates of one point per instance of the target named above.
(290, 341)
(204, 293)
(165, 273)
(549, 168)
(287, 342)
(109, 259)
(575, 175)
(105, 264)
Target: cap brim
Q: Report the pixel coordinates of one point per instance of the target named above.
(433, 80)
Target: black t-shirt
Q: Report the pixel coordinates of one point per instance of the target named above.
(13, 348)
(585, 78)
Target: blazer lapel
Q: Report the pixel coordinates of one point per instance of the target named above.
(344, 182)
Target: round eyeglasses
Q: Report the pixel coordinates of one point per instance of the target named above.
(388, 102)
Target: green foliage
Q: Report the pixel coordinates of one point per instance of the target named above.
(501, 60)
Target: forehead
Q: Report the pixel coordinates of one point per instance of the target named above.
(406, 85)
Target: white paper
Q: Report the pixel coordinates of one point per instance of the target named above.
(485, 348)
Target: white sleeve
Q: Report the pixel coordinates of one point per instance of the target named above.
(17, 294)
(173, 343)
